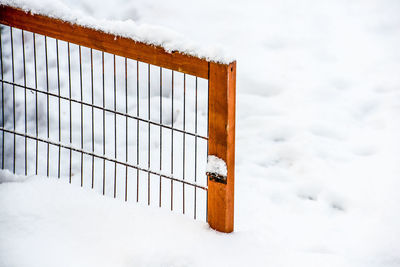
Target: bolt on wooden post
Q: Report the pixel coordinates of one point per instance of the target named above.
(221, 143)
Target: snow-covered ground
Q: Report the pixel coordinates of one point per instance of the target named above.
(317, 155)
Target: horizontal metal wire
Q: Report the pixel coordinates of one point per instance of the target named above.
(167, 173)
(170, 177)
(105, 109)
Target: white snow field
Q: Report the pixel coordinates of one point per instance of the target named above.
(317, 147)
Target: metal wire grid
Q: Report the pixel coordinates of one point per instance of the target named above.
(58, 107)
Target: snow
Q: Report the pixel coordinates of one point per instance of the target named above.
(170, 40)
(317, 147)
(66, 225)
(8, 177)
(217, 166)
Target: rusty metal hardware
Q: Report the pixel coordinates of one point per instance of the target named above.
(216, 177)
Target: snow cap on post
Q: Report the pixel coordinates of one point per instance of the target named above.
(216, 166)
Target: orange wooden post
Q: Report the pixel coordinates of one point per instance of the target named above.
(221, 143)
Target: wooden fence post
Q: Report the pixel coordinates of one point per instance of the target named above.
(221, 143)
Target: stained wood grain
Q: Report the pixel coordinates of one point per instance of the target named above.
(221, 129)
(106, 42)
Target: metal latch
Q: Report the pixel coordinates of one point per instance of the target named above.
(216, 177)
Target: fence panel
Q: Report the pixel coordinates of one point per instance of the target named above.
(122, 117)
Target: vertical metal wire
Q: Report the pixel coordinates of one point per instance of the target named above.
(59, 109)
(126, 129)
(80, 78)
(148, 144)
(172, 142)
(23, 55)
(36, 104)
(12, 67)
(47, 103)
(2, 102)
(137, 130)
(104, 125)
(91, 82)
(184, 148)
(115, 131)
(149, 122)
(195, 153)
(160, 133)
(208, 104)
(70, 113)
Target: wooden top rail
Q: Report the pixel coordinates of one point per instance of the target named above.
(106, 42)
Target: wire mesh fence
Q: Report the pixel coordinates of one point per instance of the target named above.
(125, 128)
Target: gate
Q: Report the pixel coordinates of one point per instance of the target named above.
(128, 119)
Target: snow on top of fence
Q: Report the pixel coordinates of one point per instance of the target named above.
(145, 33)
